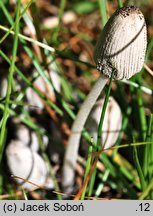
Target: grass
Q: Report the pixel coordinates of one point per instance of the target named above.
(125, 171)
(9, 83)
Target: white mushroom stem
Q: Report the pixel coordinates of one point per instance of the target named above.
(78, 125)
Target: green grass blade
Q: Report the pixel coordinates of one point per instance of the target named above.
(103, 11)
(9, 18)
(10, 78)
(142, 115)
(60, 15)
(99, 133)
(120, 3)
(88, 164)
(139, 169)
(146, 192)
(147, 152)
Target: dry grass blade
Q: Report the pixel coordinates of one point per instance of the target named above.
(43, 45)
(95, 161)
(32, 183)
(148, 69)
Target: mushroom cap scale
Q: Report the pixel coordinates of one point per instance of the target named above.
(122, 44)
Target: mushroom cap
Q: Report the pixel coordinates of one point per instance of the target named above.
(122, 44)
(28, 164)
(33, 98)
(112, 122)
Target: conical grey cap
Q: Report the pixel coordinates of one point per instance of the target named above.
(122, 44)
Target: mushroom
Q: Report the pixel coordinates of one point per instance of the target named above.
(28, 164)
(121, 48)
(3, 86)
(29, 138)
(112, 122)
(33, 98)
(23, 158)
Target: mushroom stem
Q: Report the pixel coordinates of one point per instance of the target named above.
(77, 127)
